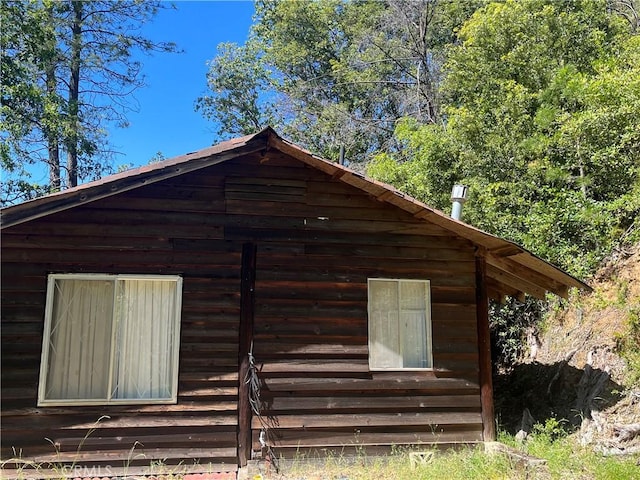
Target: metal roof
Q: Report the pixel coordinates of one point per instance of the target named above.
(511, 269)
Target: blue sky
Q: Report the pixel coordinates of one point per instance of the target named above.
(166, 120)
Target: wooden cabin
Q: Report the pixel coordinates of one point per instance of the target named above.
(245, 298)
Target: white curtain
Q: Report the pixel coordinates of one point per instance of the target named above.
(80, 340)
(384, 341)
(145, 333)
(82, 364)
(413, 325)
(399, 330)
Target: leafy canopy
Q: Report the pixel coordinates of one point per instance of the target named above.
(543, 123)
(68, 73)
(332, 74)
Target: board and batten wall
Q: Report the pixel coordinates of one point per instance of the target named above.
(317, 242)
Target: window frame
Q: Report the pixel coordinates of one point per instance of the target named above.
(46, 341)
(428, 327)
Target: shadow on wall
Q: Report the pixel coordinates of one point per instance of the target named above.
(558, 391)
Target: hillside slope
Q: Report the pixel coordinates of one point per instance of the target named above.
(574, 372)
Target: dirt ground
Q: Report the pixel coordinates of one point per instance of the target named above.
(573, 373)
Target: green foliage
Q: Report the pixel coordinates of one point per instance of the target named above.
(552, 430)
(543, 124)
(67, 73)
(509, 324)
(534, 132)
(565, 459)
(463, 464)
(423, 166)
(239, 82)
(23, 37)
(334, 74)
(570, 231)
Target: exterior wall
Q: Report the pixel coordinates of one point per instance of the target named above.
(169, 228)
(311, 324)
(318, 241)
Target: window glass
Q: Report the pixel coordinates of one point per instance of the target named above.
(399, 324)
(80, 339)
(110, 339)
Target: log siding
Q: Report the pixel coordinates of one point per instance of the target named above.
(317, 242)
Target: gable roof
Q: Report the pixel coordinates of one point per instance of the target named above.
(511, 270)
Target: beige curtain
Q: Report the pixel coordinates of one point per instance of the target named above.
(384, 341)
(145, 333)
(80, 340)
(413, 325)
(399, 324)
(81, 362)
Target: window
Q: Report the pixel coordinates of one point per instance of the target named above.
(399, 324)
(110, 339)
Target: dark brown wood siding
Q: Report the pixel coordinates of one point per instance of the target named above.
(166, 228)
(311, 324)
(318, 241)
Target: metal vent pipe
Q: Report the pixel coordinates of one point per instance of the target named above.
(458, 197)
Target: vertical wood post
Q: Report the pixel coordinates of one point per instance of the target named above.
(247, 297)
(484, 351)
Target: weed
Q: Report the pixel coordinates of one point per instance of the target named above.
(553, 429)
(61, 468)
(617, 299)
(564, 456)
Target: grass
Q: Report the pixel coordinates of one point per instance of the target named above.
(469, 463)
(565, 459)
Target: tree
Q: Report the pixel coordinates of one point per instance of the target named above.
(74, 66)
(335, 74)
(630, 10)
(541, 101)
(241, 100)
(25, 40)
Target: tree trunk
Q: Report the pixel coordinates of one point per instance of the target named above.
(426, 86)
(50, 130)
(53, 146)
(74, 94)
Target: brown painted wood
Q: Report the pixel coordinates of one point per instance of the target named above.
(371, 436)
(310, 314)
(111, 471)
(119, 419)
(124, 456)
(245, 344)
(375, 420)
(484, 351)
(353, 450)
(361, 403)
(376, 382)
(507, 265)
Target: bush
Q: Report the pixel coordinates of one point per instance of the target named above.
(509, 325)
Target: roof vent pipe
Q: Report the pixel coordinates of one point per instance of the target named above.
(458, 197)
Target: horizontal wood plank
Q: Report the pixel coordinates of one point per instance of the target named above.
(328, 403)
(318, 242)
(374, 420)
(326, 439)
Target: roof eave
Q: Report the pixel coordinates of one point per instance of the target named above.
(545, 276)
(134, 178)
(513, 270)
